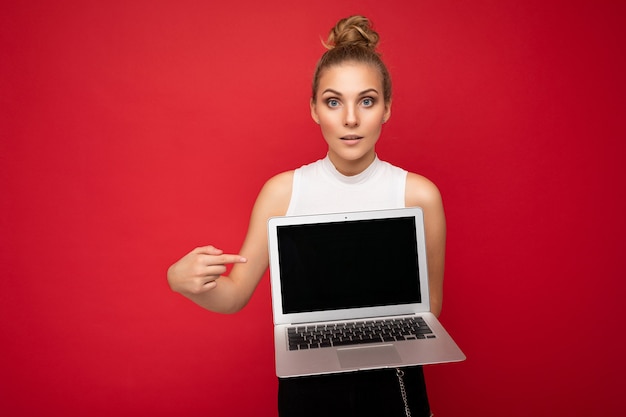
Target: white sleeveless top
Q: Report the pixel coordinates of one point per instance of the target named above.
(319, 188)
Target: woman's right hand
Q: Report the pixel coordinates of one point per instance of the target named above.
(198, 271)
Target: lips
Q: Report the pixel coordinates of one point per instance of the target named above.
(351, 137)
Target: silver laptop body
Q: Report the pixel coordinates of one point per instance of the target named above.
(365, 268)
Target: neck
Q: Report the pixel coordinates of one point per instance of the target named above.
(350, 168)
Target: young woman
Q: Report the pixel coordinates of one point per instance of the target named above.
(351, 100)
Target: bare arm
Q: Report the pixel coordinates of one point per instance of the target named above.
(198, 275)
(423, 193)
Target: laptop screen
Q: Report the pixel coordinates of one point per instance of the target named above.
(340, 265)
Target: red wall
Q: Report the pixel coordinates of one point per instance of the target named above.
(132, 131)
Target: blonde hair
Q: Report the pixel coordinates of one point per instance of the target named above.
(352, 39)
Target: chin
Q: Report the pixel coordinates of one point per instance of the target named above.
(354, 156)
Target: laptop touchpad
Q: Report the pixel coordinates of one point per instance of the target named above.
(368, 356)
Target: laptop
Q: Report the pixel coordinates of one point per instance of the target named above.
(350, 292)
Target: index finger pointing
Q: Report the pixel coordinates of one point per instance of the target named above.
(231, 259)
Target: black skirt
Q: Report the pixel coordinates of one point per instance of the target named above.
(364, 393)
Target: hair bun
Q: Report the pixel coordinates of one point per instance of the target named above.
(352, 31)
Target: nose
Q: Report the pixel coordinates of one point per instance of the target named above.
(351, 117)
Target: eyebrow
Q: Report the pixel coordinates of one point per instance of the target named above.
(362, 93)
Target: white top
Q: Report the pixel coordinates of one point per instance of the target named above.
(319, 188)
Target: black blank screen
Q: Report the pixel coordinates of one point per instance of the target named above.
(352, 264)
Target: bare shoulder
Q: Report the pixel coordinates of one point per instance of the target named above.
(275, 195)
(279, 186)
(422, 192)
(282, 180)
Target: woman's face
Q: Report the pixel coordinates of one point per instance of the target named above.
(350, 110)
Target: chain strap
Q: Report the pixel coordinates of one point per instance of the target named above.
(400, 375)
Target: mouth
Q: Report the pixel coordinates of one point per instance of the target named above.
(351, 137)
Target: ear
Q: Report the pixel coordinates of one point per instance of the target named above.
(387, 113)
(314, 115)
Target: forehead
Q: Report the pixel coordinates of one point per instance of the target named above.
(350, 77)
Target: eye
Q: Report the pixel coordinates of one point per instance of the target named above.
(368, 102)
(332, 102)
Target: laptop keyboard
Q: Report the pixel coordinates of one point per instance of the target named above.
(358, 332)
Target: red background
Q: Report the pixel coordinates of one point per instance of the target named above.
(133, 131)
